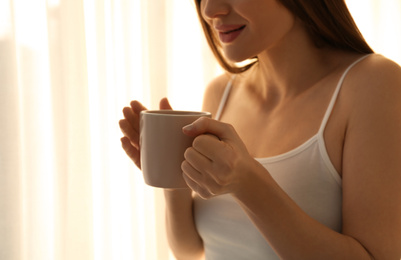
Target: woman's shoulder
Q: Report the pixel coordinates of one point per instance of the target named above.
(373, 88)
(214, 92)
(373, 75)
(376, 71)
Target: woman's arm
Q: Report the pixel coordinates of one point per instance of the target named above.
(182, 235)
(371, 178)
(372, 159)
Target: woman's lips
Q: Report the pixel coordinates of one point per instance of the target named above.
(228, 33)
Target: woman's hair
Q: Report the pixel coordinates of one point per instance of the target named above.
(328, 22)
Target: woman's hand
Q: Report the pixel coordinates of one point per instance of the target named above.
(218, 159)
(130, 128)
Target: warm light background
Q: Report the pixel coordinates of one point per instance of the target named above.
(67, 68)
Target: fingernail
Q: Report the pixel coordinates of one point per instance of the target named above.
(188, 128)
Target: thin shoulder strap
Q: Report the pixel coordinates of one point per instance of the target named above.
(335, 94)
(224, 98)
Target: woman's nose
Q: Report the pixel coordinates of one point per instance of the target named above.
(214, 8)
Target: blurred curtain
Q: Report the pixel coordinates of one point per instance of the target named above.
(67, 68)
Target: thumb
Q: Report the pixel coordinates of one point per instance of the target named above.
(164, 104)
(205, 125)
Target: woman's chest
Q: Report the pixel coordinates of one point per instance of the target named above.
(268, 133)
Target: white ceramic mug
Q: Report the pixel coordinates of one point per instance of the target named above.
(163, 144)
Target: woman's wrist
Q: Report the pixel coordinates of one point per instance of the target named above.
(255, 176)
(178, 195)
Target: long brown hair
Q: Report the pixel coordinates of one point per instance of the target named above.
(328, 22)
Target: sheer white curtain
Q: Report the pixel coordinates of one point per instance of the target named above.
(67, 67)
(380, 23)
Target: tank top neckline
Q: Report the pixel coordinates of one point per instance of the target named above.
(318, 137)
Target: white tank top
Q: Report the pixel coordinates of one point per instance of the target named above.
(305, 173)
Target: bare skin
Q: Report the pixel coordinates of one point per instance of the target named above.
(288, 90)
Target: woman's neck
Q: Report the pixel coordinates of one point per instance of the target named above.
(293, 66)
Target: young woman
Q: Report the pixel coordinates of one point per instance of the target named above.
(302, 158)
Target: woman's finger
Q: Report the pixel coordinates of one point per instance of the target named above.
(137, 107)
(131, 151)
(205, 125)
(201, 182)
(129, 132)
(131, 117)
(201, 191)
(164, 104)
(209, 145)
(197, 160)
